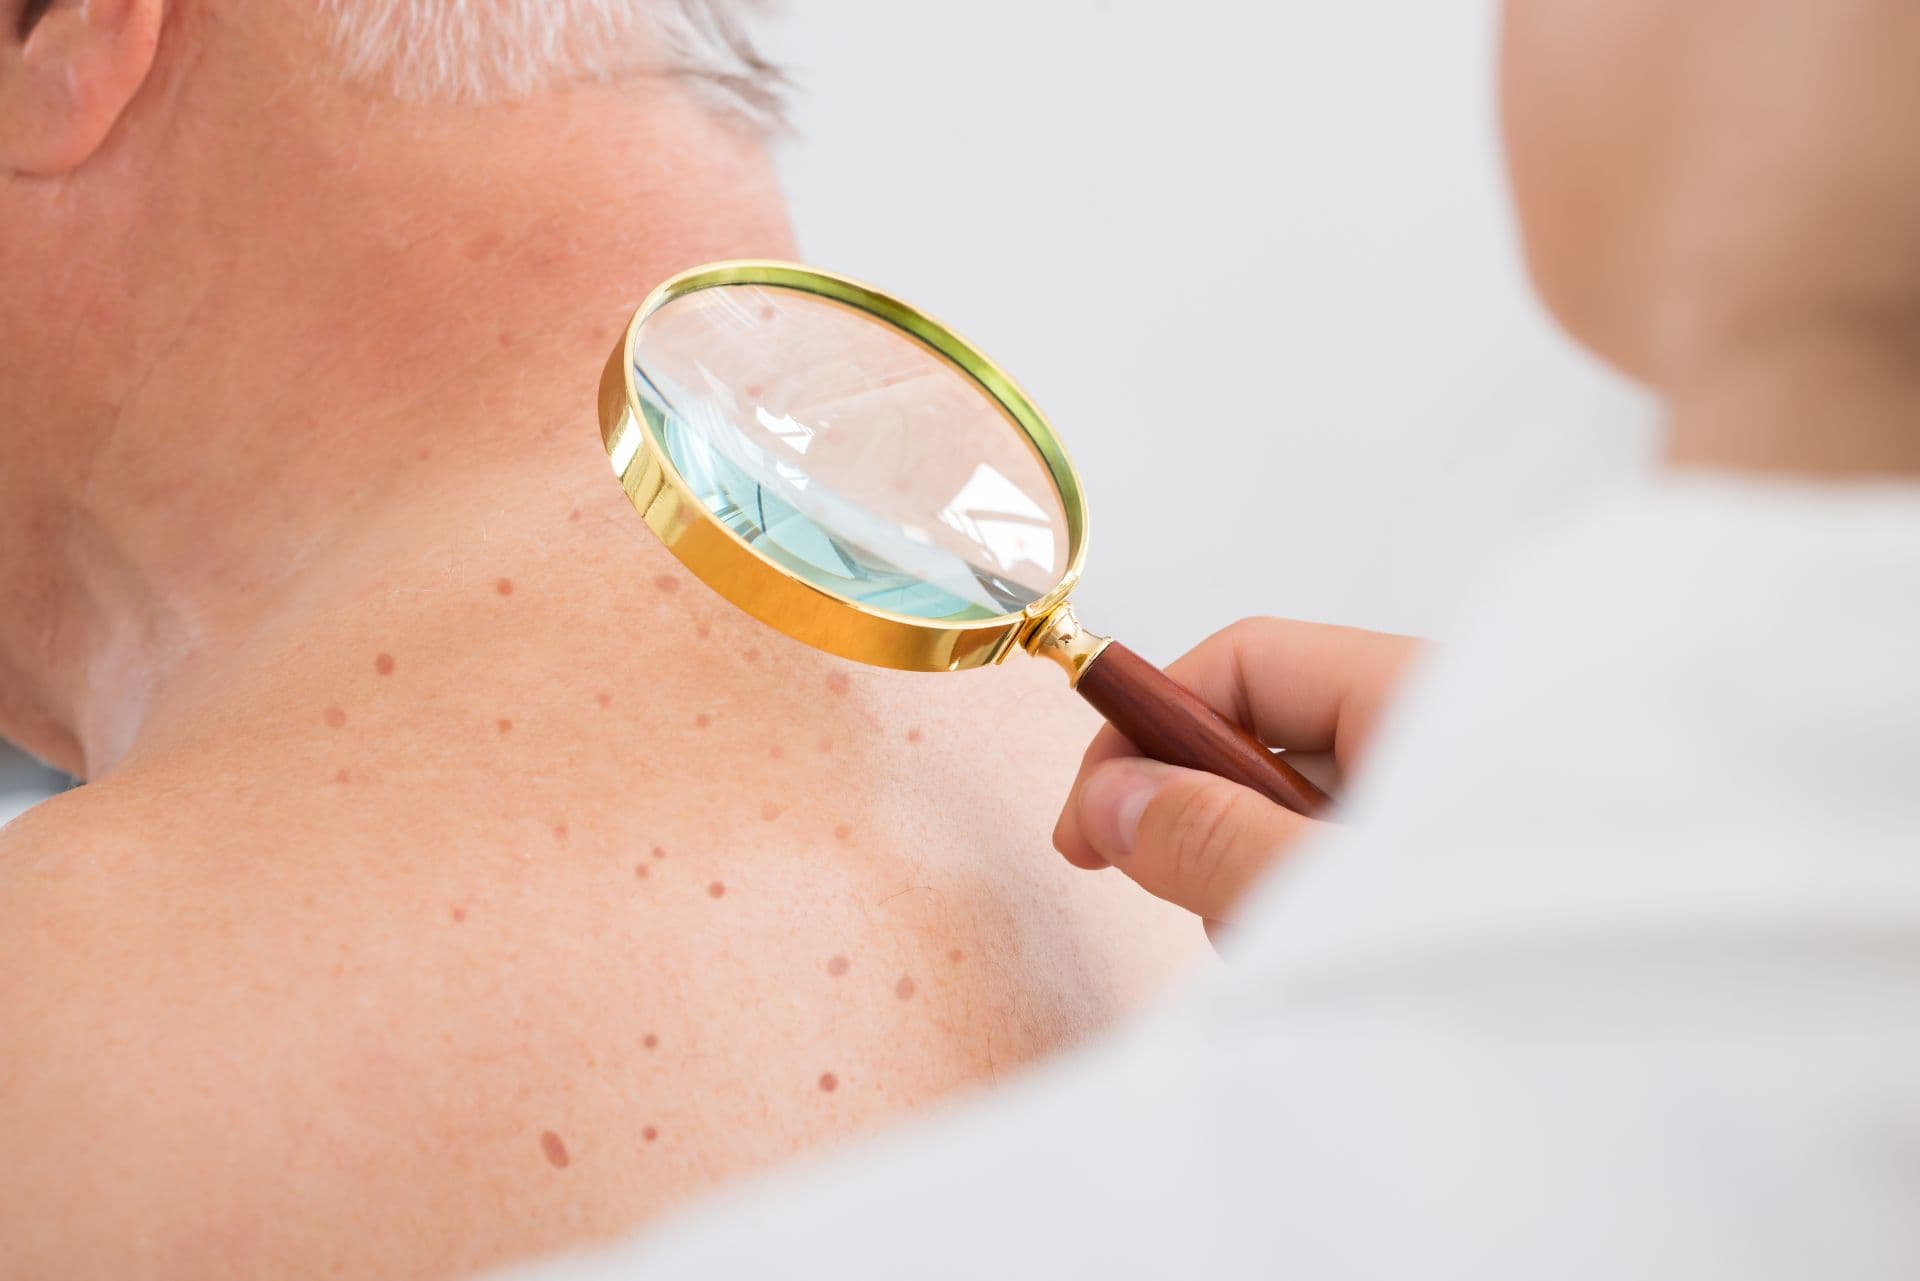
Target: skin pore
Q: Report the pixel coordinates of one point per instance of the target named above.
(456, 878)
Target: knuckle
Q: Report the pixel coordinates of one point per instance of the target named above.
(1198, 837)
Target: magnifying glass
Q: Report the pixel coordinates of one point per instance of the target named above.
(854, 474)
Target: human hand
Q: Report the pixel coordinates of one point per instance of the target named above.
(1201, 841)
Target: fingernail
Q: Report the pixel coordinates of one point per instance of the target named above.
(1111, 804)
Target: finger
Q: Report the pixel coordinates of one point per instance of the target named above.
(1306, 687)
(1187, 837)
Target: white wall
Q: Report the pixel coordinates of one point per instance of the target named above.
(1249, 255)
(1252, 259)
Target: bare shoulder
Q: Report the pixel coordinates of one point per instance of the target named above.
(265, 1019)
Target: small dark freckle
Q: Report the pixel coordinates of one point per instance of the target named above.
(666, 583)
(716, 890)
(838, 682)
(340, 776)
(829, 1082)
(836, 966)
(603, 698)
(423, 453)
(913, 735)
(776, 751)
(383, 663)
(649, 1134)
(702, 721)
(640, 870)
(336, 717)
(649, 1041)
(573, 515)
(504, 587)
(559, 831)
(769, 811)
(956, 955)
(459, 915)
(505, 725)
(658, 852)
(904, 988)
(556, 1150)
(842, 832)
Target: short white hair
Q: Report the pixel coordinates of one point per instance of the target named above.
(489, 50)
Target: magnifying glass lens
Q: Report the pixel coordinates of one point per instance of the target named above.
(856, 458)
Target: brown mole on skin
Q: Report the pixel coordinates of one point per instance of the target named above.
(666, 582)
(702, 721)
(842, 832)
(505, 725)
(913, 735)
(955, 955)
(829, 1082)
(649, 1040)
(339, 776)
(837, 965)
(559, 831)
(904, 988)
(336, 717)
(716, 890)
(556, 1150)
(459, 915)
(658, 852)
(649, 1134)
(603, 698)
(504, 587)
(640, 870)
(383, 663)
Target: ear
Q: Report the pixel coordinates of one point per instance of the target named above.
(68, 69)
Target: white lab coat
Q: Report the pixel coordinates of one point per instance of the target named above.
(1614, 973)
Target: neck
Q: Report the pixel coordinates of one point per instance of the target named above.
(414, 349)
(1834, 400)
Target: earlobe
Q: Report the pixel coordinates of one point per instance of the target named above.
(68, 75)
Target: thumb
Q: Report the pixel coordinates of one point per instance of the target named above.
(1188, 837)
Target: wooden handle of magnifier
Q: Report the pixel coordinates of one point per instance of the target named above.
(1170, 723)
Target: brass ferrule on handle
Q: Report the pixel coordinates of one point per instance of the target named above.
(1058, 637)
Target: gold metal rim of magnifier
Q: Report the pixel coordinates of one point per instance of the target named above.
(775, 595)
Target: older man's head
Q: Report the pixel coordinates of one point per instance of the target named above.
(243, 242)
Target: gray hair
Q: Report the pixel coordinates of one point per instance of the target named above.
(487, 50)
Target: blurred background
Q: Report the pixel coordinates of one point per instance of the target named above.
(1253, 260)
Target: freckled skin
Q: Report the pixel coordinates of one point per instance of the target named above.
(459, 914)
(559, 831)
(555, 1149)
(752, 656)
(649, 1134)
(828, 1083)
(702, 721)
(838, 682)
(913, 735)
(640, 870)
(904, 989)
(340, 776)
(383, 664)
(650, 1041)
(659, 852)
(775, 752)
(504, 587)
(335, 717)
(769, 811)
(842, 832)
(666, 583)
(603, 698)
(837, 966)
(716, 890)
(504, 725)
(955, 955)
